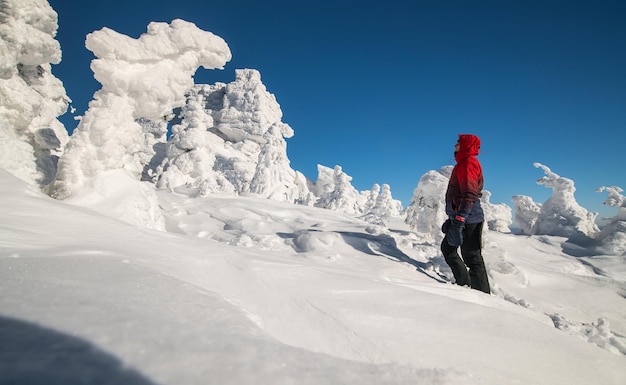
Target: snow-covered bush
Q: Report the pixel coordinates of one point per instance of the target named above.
(31, 98)
(612, 238)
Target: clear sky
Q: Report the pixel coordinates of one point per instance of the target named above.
(383, 88)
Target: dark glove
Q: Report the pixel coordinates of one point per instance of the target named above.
(446, 226)
(455, 232)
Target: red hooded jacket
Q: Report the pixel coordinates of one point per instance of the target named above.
(466, 182)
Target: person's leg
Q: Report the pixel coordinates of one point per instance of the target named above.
(455, 262)
(473, 258)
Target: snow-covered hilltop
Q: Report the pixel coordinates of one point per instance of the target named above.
(226, 138)
(258, 274)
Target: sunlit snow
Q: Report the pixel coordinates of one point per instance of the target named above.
(130, 257)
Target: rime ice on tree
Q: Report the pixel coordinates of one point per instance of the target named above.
(31, 137)
(498, 217)
(337, 192)
(142, 79)
(612, 238)
(427, 210)
(526, 213)
(231, 140)
(561, 215)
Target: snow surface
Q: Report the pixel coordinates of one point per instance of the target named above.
(205, 257)
(248, 290)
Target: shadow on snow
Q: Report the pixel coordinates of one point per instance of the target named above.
(382, 245)
(33, 355)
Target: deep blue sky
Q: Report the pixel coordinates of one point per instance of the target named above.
(383, 88)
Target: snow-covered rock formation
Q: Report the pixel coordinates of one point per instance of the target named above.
(31, 98)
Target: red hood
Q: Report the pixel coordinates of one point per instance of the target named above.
(469, 145)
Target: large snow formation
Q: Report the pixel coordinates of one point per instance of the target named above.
(31, 98)
(142, 79)
(231, 140)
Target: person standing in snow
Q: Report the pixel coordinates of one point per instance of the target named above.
(465, 224)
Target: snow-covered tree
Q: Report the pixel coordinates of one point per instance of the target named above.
(338, 193)
(526, 213)
(154, 145)
(200, 157)
(612, 238)
(427, 210)
(371, 197)
(383, 207)
(231, 140)
(144, 78)
(31, 137)
(325, 182)
(561, 215)
(498, 217)
(615, 199)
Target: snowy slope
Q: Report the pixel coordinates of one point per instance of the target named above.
(250, 291)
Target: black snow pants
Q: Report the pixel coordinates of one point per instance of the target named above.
(471, 250)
